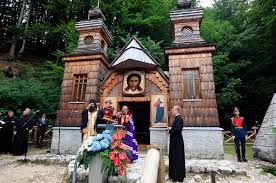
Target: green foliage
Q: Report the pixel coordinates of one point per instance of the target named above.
(243, 62)
(155, 50)
(274, 130)
(227, 39)
(269, 169)
(147, 20)
(36, 87)
(85, 159)
(108, 165)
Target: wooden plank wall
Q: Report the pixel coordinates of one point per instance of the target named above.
(198, 113)
(69, 113)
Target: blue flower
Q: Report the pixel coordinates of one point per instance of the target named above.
(104, 143)
(106, 132)
(95, 146)
(107, 136)
(98, 137)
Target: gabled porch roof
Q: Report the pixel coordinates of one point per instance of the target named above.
(134, 55)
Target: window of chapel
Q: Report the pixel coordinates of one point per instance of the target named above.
(79, 87)
(191, 84)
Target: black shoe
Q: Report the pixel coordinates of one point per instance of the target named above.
(244, 160)
(239, 159)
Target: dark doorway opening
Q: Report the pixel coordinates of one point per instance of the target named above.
(141, 114)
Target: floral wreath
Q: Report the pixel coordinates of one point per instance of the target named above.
(110, 148)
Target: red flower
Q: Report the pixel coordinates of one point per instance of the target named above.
(122, 156)
(116, 152)
(112, 155)
(117, 136)
(122, 146)
(116, 161)
(116, 144)
(121, 171)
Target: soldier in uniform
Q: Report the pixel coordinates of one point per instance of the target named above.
(239, 133)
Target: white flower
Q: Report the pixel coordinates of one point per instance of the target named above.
(88, 142)
(80, 150)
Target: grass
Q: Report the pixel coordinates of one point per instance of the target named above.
(269, 169)
(33, 150)
(230, 149)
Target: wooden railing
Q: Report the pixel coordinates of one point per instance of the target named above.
(47, 137)
(227, 138)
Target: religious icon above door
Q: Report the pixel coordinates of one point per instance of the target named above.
(159, 111)
(134, 83)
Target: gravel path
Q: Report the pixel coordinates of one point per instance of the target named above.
(12, 171)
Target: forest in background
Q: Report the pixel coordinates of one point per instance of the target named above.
(35, 34)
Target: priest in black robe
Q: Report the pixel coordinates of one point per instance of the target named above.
(6, 133)
(23, 125)
(176, 151)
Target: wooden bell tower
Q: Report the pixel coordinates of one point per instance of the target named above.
(192, 86)
(84, 70)
(191, 68)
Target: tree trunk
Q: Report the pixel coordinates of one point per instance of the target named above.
(25, 30)
(18, 24)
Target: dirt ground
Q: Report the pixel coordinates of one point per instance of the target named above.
(12, 171)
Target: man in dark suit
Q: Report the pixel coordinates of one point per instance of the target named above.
(42, 125)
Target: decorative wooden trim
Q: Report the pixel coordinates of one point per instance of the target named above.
(76, 102)
(189, 68)
(97, 56)
(192, 100)
(195, 49)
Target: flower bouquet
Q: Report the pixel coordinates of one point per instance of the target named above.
(110, 148)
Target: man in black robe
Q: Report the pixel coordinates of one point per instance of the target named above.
(176, 152)
(23, 125)
(6, 133)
